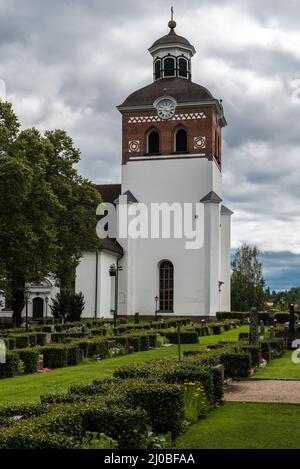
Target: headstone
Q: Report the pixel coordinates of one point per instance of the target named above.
(136, 318)
(253, 336)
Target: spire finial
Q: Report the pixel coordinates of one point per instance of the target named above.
(172, 23)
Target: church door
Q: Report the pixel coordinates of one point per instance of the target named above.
(37, 308)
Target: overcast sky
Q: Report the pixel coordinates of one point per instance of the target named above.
(68, 63)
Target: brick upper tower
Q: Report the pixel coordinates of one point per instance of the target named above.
(172, 117)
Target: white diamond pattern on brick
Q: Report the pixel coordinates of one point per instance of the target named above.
(177, 117)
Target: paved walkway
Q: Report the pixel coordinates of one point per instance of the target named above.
(261, 390)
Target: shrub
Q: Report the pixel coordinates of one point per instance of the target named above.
(202, 330)
(24, 410)
(59, 398)
(221, 315)
(144, 342)
(22, 436)
(97, 348)
(55, 356)
(255, 352)
(192, 372)
(127, 426)
(186, 337)
(22, 340)
(236, 364)
(41, 338)
(135, 342)
(152, 338)
(32, 339)
(243, 336)
(164, 404)
(98, 441)
(12, 367)
(68, 306)
(30, 358)
(218, 383)
(10, 342)
(74, 355)
(216, 329)
(47, 329)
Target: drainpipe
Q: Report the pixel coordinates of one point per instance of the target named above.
(96, 284)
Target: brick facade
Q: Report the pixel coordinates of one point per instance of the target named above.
(203, 132)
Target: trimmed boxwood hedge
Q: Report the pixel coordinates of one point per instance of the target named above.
(22, 340)
(12, 367)
(255, 352)
(30, 358)
(164, 404)
(23, 435)
(55, 356)
(41, 338)
(236, 364)
(186, 337)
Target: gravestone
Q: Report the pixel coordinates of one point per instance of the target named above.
(136, 318)
(253, 336)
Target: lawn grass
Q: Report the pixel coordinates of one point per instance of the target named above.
(28, 388)
(238, 425)
(282, 368)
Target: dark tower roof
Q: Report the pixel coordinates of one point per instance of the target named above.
(171, 38)
(182, 90)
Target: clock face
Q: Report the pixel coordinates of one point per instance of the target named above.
(166, 108)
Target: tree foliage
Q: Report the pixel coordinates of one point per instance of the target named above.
(247, 281)
(68, 306)
(47, 210)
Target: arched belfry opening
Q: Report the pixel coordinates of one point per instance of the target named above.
(153, 142)
(181, 144)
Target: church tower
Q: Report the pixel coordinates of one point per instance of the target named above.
(172, 152)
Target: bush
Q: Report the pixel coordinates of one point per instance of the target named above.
(32, 339)
(24, 410)
(221, 315)
(243, 336)
(75, 355)
(68, 306)
(41, 339)
(186, 337)
(22, 340)
(30, 358)
(236, 364)
(255, 352)
(10, 342)
(192, 372)
(12, 367)
(47, 329)
(164, 404)
(216, 329)
(126, 426)
(218, 383)
(22, 436)
(97, 348)
(55, 356)
(98, 441)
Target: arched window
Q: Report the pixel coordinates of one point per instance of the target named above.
(153, 142)
(166, 286)
(183, 67)
(169, 67)
(180, 141)
(157, 69)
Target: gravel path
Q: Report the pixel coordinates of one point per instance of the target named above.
(269, 390)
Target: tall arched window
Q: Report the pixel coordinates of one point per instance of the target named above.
(157, 69)
(180, 141)
(166, 286)
(169, 67)
(153, 142)
(183, 67)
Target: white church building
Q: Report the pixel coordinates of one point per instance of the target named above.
(171, 153)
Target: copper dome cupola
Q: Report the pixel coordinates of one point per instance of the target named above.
(172, 55)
